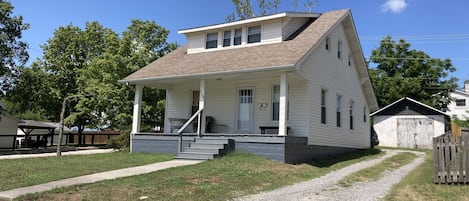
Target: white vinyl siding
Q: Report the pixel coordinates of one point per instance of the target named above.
(271, 33)
(324, 70)
(196, 43)
(221, 103)
(8, 125)
(458, 111)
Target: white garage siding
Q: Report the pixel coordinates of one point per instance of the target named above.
(326, 71)
(387, 129)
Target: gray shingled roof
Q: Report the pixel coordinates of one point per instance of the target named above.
(272, 56)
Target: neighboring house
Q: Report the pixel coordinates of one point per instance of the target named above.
(459, 106)
(288, 86)
(8, 125)
(409, 123)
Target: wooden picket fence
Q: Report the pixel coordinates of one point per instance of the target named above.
(451, 158)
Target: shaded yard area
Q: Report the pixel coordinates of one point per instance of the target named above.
(234, 175)
(419, 185)
(15, 173)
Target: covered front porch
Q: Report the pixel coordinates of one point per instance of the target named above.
(255, 103)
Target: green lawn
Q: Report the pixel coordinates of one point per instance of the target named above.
(374, 172)
(234, 175)
(16, 173)
(419, 185)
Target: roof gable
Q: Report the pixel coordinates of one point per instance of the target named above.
(408, 106)
(256, 58)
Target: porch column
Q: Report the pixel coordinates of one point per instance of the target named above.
(137, 109)
(282, 120)
(201, 128)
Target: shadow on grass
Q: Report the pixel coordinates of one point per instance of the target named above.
(327, 162)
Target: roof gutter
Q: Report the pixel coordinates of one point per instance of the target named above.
(287, 67)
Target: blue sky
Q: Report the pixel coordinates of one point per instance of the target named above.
(438, 28)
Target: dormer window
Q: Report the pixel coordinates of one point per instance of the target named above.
(212, 40)
(237, 37)
(254, 34)
(226, 38)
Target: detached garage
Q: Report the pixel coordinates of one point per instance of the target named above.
(409, 123)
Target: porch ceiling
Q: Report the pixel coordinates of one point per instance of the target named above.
(195, 80)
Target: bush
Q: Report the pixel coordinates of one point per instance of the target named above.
(120, 142)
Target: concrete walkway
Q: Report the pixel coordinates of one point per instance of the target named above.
(80, 152)
(12, 194)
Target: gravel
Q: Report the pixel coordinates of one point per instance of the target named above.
(326, 188)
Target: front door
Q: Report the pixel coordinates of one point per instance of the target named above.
(245, 110)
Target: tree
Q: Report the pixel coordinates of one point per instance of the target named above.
(245, 9)
(404, 72)
(13, 51)
(87, 64)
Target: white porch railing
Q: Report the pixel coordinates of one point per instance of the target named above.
(198, 114)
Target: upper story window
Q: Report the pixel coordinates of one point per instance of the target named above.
(254, 34)
(226, 38)
(339, 50)
(212, 40)
(461, 102)
(328, 43)
(237, 36)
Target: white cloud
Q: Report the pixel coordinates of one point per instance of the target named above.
(394, 6)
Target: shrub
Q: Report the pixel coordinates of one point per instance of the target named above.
(120, 142)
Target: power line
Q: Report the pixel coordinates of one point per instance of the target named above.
(421, 58)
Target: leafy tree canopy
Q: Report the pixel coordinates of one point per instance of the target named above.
(13, 51)
(86, 64)
(404, 72)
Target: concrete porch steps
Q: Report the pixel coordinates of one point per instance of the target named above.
(206, 148)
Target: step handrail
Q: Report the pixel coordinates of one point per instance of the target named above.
(188, 122)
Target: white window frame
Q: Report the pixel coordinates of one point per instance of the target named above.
(211, 40)
(254, 32)
(339, 111)
(323, 106)
(225, 38)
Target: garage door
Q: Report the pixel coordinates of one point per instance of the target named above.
(415, 132)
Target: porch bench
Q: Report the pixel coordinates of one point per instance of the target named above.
(263, 128)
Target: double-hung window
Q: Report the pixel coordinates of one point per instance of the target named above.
(275, 102)
(323, 106)
(237, 36)
(226, 38)
(212, 40)
(460, 102)
(351, 115)
(338, 110)
(254, 34)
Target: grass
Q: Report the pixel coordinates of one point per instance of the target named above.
(234, 175)
(17, 173)
(373, 173)
(419, 185)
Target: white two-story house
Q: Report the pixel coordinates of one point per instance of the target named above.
(459, 106)
(288, 86)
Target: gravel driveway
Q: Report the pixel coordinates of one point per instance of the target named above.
(326, 188)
